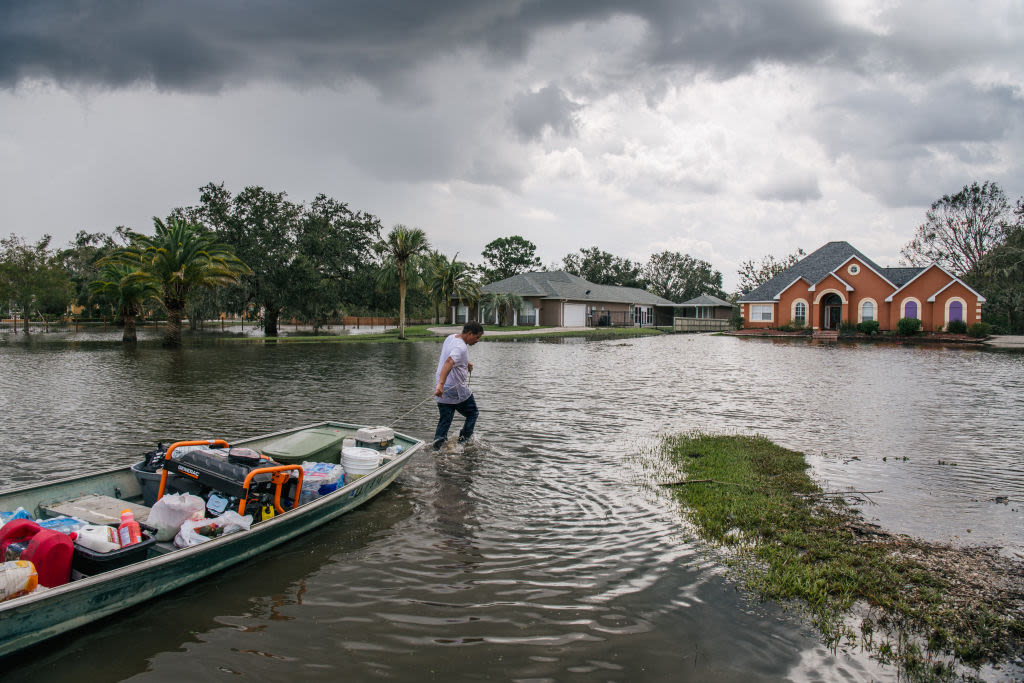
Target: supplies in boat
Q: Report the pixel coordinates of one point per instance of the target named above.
(358, 461)
(318, 479)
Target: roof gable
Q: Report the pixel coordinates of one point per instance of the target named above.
(814, 268)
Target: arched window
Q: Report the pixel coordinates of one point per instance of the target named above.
(867, 310)
(956, 311)
(910, 309)
(800, 313)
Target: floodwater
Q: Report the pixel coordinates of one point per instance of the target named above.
(541, 553)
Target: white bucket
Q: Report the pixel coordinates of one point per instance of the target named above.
(358, 461)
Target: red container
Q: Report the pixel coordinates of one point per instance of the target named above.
(17, 531)
(50, 551)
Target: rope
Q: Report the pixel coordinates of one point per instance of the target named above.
(413, 408)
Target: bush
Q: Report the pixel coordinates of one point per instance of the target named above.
(847, 328)
(792, 327)
(868, 327)
(907, 327)
(979, 330)
(736, 321)
(956, 327)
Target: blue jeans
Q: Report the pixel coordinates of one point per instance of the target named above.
(467, 409)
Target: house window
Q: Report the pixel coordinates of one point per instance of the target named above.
(800, 313)
(853, 269)
(910, 309)
(760, 313)
(867, 310)
(956, 311)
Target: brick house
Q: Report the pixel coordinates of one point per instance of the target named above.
(838, 284)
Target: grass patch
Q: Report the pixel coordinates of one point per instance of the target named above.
(932, 609)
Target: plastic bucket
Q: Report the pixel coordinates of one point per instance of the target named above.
(358, 461)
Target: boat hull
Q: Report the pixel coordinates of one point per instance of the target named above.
(48, 613)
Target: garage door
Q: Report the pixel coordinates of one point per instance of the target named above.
(575, 315)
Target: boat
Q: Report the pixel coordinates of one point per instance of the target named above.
(162, 566)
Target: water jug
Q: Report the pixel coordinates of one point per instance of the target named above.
(98, 538)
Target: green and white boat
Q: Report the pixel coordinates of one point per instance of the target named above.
(163, 567)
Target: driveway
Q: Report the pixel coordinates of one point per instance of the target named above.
(1006, 341)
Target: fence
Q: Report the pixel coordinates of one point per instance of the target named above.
(700, 325)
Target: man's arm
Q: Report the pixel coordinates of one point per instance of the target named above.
(445, 369)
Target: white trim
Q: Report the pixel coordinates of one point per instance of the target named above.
(781, 291)
(924, 270)
(813, 288)
(817, 299)
(860, 308)
(860, 261)
(981, 299)
(903, 308)
(771, 310)
(960, 301)
(792, 310)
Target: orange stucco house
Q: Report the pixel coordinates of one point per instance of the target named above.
(838, 284)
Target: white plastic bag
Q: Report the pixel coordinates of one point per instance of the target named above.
(169, 512)
(196, 531)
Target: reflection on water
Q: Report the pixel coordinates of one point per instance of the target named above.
(533, 554)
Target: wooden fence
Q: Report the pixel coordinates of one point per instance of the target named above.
(700, 325)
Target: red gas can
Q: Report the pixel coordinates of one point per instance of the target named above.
(16, 531)
(50, 551)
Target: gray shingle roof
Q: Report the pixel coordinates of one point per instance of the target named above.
(706, 300)
(820, 263)
(562, 285)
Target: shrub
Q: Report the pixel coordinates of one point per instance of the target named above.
(847, 328)
(792, 327)
(979, 330)
(736, 321)
(956, 327)
(868, 327)
(908, 326)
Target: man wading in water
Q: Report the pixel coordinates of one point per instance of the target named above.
(452, 389)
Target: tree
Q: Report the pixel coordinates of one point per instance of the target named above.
(179, 257)
(80, 262)
(753, 275)
(602, 268)
(31, 277)
(508, 256)
(680, 277)
(1000, 277)
(446, 280)
(262, 227)
(401, 245)
(960, 229)
(130, 294)
(502, 303)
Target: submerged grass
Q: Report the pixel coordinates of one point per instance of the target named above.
(794, 544)
(418, 333)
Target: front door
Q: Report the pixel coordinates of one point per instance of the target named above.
(831, 312)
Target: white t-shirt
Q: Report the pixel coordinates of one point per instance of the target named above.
(456, 386)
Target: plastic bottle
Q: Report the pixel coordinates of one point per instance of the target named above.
(17, 578)
(393, 450)
(100, 539)
(14, 551)
(129, 531)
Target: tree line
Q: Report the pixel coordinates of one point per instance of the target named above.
(257, 253)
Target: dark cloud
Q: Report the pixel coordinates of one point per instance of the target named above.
(548, 108)
(199, 45)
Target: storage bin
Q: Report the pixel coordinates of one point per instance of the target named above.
(86, 562)
(150, 483)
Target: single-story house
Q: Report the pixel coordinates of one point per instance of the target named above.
(561, 299)
(706, 306)
(838, 284)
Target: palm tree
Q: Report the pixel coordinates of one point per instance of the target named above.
(448, 280)
(130, 296)
(178, 258)
(399, 247)
(502, 303)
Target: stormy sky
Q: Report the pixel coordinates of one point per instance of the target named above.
(727, 130)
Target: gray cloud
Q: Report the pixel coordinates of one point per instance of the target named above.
(548, 108)
(197, 45)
